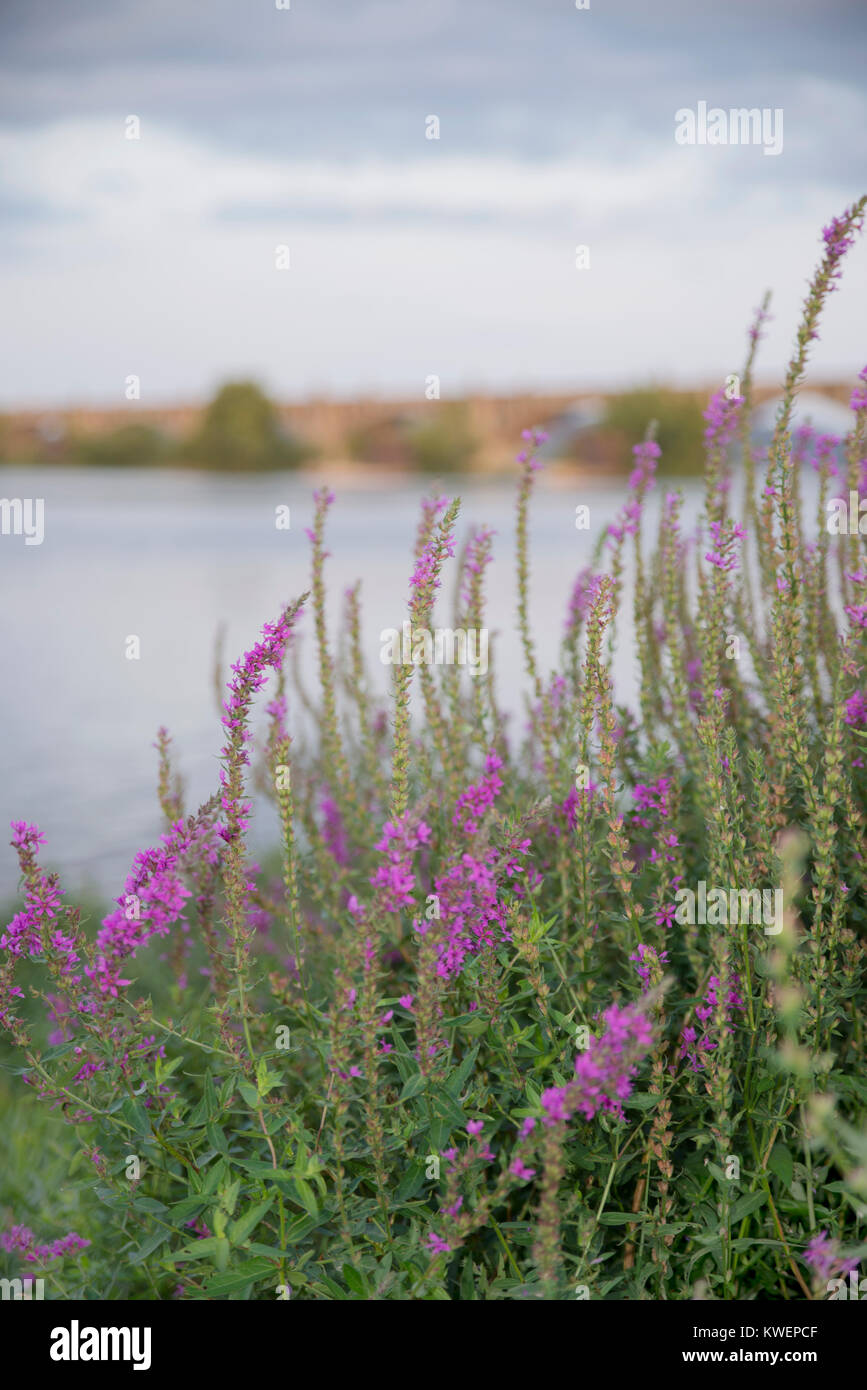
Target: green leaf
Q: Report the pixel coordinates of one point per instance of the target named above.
(217, 1138)
(257, 1169)
(250, 1094)
(203, 1249)
(187, 1208)
(307, 1196)
(744, 1205)
(411, 1182)
(135, 1114)
(149, 1204)
(354, 1280)
(330, 1287)
(247, 1222)
(242, 1277)
(412, 1087)
(455, 1084)
(782, 1164)
(151, 1244)
(641, 1102)
(266, 1079)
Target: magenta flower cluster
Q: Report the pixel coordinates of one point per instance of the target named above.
(30, 931)
(476, 800)
(249, 676)
(395, 879)
(652, 799)
(825, 1259)
(477, 555)
(724, 537)
(472, 910)
(648, 960)
(645, 455)
(534, 438)
(859, 395)
(604, 1072)
(21, 1240)
(154, 898)
(722, 419)
(695, 1045)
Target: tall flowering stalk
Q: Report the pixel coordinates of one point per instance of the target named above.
(424, 582)
(838, 237)
(530, 465)
(598, 682)
(604, 1076)
(249, 676)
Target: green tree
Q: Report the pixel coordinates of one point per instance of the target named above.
(680, 427)
(241, 431)
(131, 446)
(443, 444)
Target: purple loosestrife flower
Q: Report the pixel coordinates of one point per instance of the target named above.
(518, 1169)
(477, 555)
(424, 580)
(26, 839)
(693, 1045)
(648, 964)
(579, 600)
(646, 455)
(472, 913)
(395, 879)
(825, 450)
(276, 711)
(838, 236)
(432, 509)
(722, 420)
(859, 395)
(651, 798)
(567, 810)
(198, 1227)
(724, 538)
(30, 929)
(21, 1241)
(857, 614)
(476, 800)
(824, 1258)
(534, 438)
(761, 317)
(250, 674)
(154, 898)
(35, 930)
(856, 709)
(333, 832)
(604, 1072)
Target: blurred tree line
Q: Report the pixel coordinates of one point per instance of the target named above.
(241, 431)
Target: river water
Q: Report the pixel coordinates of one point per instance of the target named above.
(168, 557)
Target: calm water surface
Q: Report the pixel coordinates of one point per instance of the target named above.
(169, 557)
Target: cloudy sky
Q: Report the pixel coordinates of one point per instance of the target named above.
(306, 128)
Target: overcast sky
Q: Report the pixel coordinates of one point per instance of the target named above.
(408, 257)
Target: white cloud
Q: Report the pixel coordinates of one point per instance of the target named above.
(90, 169)
(460, 266)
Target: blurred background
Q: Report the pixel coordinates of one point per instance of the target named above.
(246, 249)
